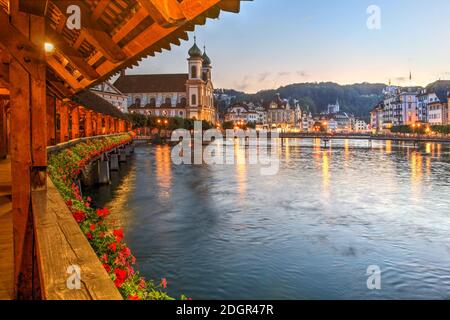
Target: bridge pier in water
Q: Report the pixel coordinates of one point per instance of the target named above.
(114, 161)
(104, 176)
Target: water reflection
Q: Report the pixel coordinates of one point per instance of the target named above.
(309, 232)
(163, 171)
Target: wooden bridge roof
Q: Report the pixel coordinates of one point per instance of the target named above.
(114, 34)
(92, 101)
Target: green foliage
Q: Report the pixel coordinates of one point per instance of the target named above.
(441, 129)
(358, 99)
(228, 125)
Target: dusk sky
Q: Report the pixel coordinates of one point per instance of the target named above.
(271, 43)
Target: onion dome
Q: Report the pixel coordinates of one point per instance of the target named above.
(206, 59)
(195, 51)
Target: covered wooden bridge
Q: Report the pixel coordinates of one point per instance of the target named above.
(51, 52)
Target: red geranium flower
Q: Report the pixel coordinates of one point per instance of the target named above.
(118, 234)
(89, 235)
(113, 246)
(102, 212)
(126, 252)
(121, 276)
(164, 283)
(69, 203)
(133, 297)
(107, 267)
(79, 216)
(92, 227)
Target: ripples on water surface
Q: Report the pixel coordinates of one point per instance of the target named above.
(309, 232)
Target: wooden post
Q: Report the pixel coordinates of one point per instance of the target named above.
(107, 122)
(3, 131)
(88, 123)
(75, 113)
(51, 125)
(94, 123)
(28, 147)
(116, 125)
(63, 120)
(111, 125)
(99, 124)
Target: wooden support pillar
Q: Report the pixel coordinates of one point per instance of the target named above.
(63, 120)
(28, 145)
(94, 123)
(51, 120)
(88, 124)
(99, 124)
(111, 125)
(107, 124)
(116, 125)
(3, 130)
(75, 115)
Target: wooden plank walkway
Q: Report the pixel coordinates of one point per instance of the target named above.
(6, 233)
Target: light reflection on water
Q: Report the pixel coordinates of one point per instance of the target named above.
(309, 232)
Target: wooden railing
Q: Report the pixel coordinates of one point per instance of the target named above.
(61, 248)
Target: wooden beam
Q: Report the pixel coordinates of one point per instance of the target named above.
(19, 46)
(99, 9)
(39, 96)
(230, 6)
(72, 55)
(63, 110)
(20, 168)
(75, 115)
(93, 33)
(88, 130)
(103, 43)
(33, 7)
(167, 13)
(64, 73)
(4, 75)
(51, 118)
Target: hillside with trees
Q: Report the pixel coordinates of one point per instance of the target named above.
(358, 99)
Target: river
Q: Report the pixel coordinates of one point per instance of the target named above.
(308, 232)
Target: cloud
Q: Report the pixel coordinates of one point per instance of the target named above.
(263, 76)
(244, 84)
(283, 74)
(302, 73)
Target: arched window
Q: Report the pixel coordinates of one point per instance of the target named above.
(193, 72)
(152, 102)
(183, 102)
(194, 100)
(137, 102)
(168, 101)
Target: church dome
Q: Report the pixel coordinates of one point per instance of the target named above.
(195, 51)
(206, 60)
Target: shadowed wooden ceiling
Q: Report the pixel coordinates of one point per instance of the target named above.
(114, 34)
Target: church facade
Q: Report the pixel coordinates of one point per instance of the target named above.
(187, 95)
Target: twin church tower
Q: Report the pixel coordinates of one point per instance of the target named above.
(183, 95)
